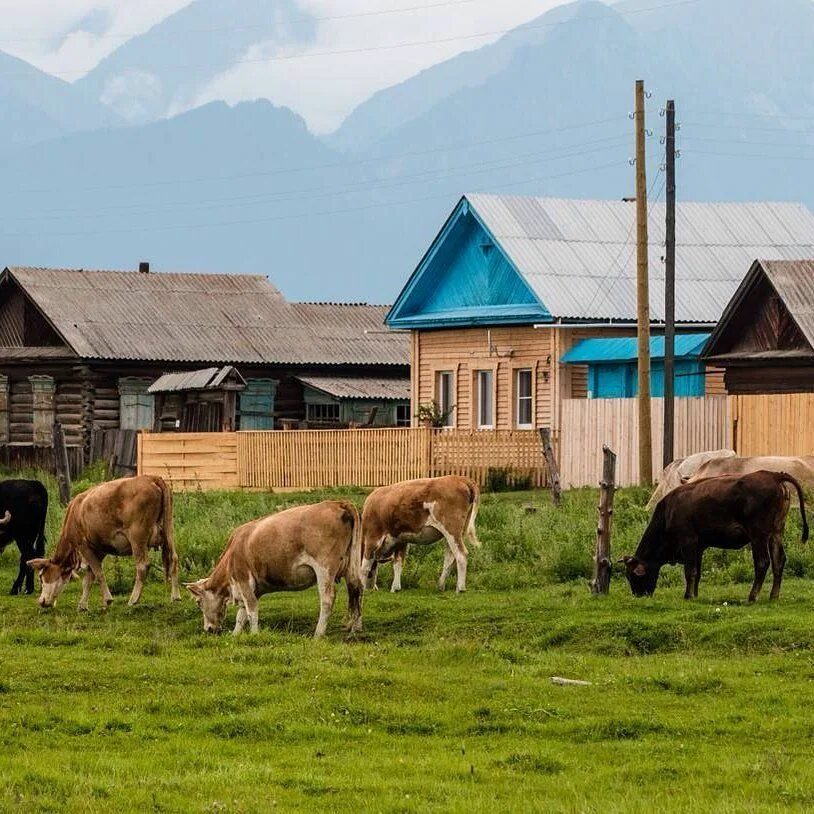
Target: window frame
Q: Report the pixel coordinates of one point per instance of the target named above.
(322, 405)
(449, 409)
(478, 400)
(401, 422)
(516, 401)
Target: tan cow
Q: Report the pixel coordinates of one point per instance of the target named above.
(420, 512)
(287, 551)
(681, 470)
(800, 468)
(123, 517)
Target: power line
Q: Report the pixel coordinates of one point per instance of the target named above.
(751, 155)
(395, 46)
(265, 198)
(329, 165)
(296, 216)
(226, 29)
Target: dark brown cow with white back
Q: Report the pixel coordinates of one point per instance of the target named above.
(123, 517)
(420, 512)
(287, 551)
(727, 512)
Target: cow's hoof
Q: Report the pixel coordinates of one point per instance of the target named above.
(82, 608)
(460, 590)
(14, 590)
(395, 590)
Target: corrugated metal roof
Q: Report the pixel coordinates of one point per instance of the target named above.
(579, 256)
(224, 318)
(349, 387)
(210, 378)
(794, 282)
(625, 349)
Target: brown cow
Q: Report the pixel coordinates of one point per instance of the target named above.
(727, 512)
(420, 512)
(122, 517)
(287, 551)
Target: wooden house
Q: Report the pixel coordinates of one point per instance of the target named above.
(84, 347)
(511, 284)
(765, 339)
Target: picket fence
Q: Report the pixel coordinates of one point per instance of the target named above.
(307, 459)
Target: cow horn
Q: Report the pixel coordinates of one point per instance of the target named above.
(6, 518)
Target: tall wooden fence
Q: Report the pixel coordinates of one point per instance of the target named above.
(773, 424)
(305, 459)
(700, 424)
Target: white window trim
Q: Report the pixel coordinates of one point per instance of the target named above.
(476, 396)
(516, 397)
(534, 368)
(453, 408)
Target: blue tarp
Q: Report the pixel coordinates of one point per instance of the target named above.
(624, 349)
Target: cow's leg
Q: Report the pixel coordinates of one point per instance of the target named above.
(327, 595)
(761, 559)
(697, 579)
(24, 573)
(454, 541)
(242, 617)
(372, 577)
(369, 562)
(249, 603)
(95, 565)
(142, 559)
(778, 557)
(87, 581)
(170, 559)
(690, 576)
(449, 560)
(354, 623)
(398, 566)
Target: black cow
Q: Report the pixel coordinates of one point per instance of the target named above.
(23, 506)
(731, 511)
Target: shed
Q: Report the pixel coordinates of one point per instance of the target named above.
(346, 400)
(197, 400)
(612, 365)
(765, 339)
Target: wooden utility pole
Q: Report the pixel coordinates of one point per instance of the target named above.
(600, 584)
(670, 286)
(643, 296)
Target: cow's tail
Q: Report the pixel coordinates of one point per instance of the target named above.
(39, 543)
(168, 555)
(472, 514)
(353, 570)
(782, 477)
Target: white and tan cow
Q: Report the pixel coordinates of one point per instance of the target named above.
(122, 517)
(287, 551)
(801, 468)
(420, 512)
(681, 470)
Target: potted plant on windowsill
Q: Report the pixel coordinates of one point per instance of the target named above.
(431, 414)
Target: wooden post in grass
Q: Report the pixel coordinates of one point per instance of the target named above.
(600, 584)
(551, 462)
(61, 465)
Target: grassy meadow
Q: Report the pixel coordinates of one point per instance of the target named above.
(444, 703)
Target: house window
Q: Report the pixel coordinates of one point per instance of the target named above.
(403, 415)
(136, 405)
(42, 394)
(324, 413)
(523, 395)
(445, 395)
(485, 399)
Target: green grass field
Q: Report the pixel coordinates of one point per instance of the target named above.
(445, 702)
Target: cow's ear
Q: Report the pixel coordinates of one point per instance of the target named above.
(38, 563)
(640, 570)
(195, 588)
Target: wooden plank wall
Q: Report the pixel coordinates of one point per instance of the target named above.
(701, 424)
(781, 424)
(318, 458)
(190, 461)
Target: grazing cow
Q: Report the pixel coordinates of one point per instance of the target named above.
(23, 506)
(122, 517)
(681, 470)
(800, 468)
(420, 512)
(287, 551)
(727, 512)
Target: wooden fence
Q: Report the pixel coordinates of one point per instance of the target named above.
(700, 424)
(307, 459)
(773, 424)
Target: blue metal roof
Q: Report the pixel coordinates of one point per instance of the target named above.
(625, 349)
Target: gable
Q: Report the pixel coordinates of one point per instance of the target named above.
(466, 279)
(758, 322)
(22, 324)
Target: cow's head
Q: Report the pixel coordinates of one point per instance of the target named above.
(642, 576)
(54, 577)
(213, 604)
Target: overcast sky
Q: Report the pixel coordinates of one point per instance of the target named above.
(68, 37)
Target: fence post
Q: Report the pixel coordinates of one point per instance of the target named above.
(553, 471)
(61, 465)
(600, 584)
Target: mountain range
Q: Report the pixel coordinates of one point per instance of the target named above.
(99, 179)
